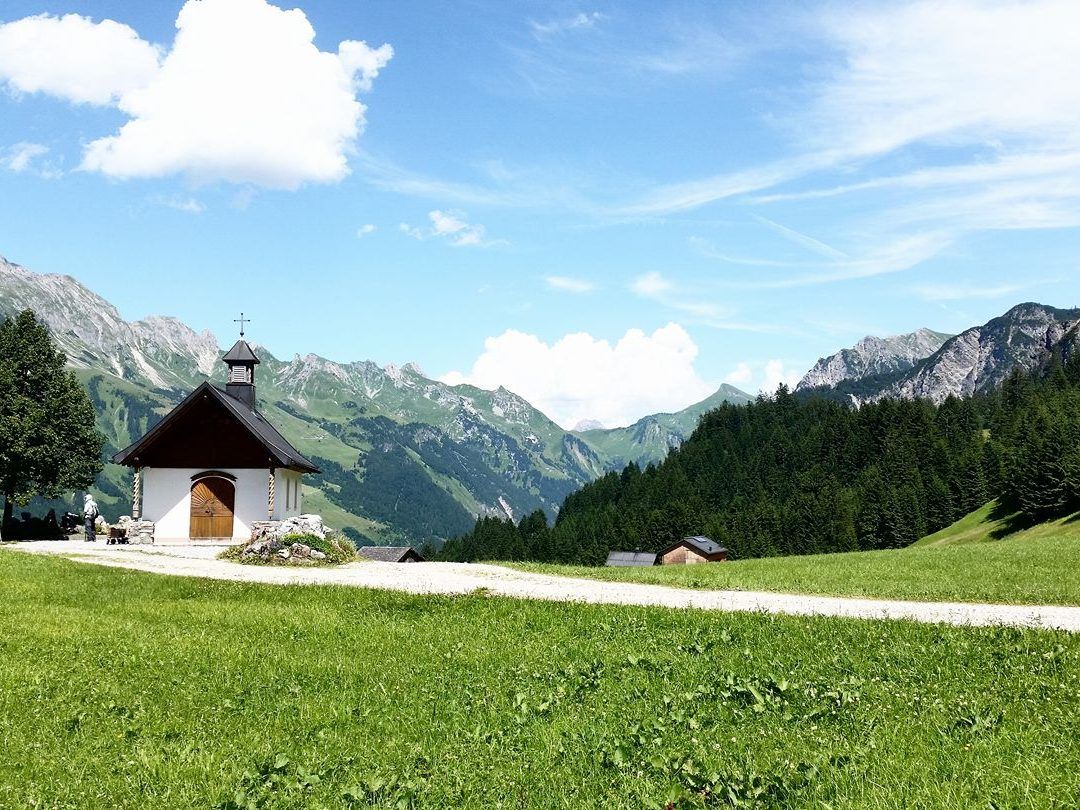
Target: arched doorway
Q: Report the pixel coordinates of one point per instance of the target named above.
(212, 501)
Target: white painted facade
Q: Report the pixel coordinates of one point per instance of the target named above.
(166, 499)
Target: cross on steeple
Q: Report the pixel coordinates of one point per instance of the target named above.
(241, 320)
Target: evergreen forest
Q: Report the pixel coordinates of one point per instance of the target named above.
(802, 475)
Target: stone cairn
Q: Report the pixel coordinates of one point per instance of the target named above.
(268, 539)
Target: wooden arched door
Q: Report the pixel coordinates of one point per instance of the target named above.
(212, 503)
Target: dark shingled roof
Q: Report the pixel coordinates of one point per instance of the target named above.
(705, 545)
(240, 353)
(392, 554)
(276, 445)
(630, 559)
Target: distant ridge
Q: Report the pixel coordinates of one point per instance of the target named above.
(976, 360)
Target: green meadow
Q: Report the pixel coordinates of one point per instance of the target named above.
(123, 689)
(983, 557)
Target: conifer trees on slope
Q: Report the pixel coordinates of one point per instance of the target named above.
(787, 475)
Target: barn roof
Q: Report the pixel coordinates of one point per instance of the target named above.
(388, 553)
(705, 545)
(277, 447)
(630, 559)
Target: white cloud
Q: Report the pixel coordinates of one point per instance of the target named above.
(20, 157)
(651, 285)
(967, 292)
(189, 205)
(365, 230)
(568, 284)
(581, 377)
(243, 95)
(951, 71)
(777, 373)
(453, 227)
(741, 375)
(584, 19)
(74, 58)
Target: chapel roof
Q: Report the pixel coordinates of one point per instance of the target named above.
(277, 447)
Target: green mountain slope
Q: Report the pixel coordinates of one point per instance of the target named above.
(650, 438)
(404, 457)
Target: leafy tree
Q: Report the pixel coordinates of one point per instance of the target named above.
(48, 444)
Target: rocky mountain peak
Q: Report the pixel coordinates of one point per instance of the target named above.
(873, 356)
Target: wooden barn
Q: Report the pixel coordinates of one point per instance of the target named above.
(691, 550)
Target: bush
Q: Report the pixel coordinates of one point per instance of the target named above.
(337, 548)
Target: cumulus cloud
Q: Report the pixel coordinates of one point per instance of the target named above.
(453, 227)
(580, 377)
(741, 375)
(777, 373)
(365, 230)
(242, 96)
(74, 58)
(568, 284)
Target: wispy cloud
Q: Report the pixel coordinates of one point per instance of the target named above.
(581, 20)
(187, 205)
(452, 227)
(966, 292)
(903, 253)
(365, 230)
(570, 285)
(24, 157)
(804, 240)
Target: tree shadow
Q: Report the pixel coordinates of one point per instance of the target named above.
(1008, 522)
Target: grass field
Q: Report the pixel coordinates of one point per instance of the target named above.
(122, 689)
(964, 563)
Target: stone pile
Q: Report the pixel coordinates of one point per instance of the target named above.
(277, 529)
(267, 548)
(139, 532)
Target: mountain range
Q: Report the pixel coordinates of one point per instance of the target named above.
(404, 457)
(935, 366)
(409, 458)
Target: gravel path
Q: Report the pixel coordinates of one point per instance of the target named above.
(459, 578)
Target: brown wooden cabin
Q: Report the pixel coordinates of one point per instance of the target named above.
(691, 550)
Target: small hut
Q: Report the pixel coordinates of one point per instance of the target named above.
(630, 559)
(394, 554)
(692, 550)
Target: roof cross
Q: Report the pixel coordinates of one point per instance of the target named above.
(241, 320)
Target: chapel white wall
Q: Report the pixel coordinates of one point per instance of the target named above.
(167, 499)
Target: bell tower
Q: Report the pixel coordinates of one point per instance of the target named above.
(241, 361)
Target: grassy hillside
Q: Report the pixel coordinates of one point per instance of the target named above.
(1037, 565)
(991, 523)
(334, 697)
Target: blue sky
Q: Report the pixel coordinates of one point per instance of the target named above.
(608, 207)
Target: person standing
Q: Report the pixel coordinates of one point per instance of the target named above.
(90, 516)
